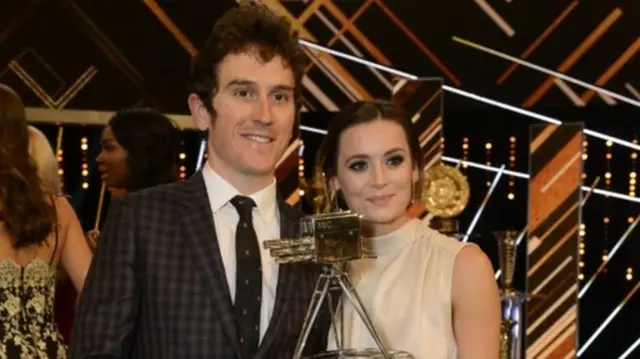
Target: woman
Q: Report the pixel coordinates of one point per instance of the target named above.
(45, 160)
(428, 294)
(139, 150)
(38, 230)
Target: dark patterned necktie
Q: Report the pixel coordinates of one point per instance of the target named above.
(248, 278)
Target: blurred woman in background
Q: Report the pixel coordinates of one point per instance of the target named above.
(46, 164)
(139, 150)
(38, 230)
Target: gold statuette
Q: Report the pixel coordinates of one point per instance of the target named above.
(445, 194)
(512, 301)
(331, 239)
(507, 257)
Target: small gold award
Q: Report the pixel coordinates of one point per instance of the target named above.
(445, 195)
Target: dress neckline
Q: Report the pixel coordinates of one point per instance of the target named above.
(393, 241)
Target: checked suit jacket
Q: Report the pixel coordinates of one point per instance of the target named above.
(157, 287)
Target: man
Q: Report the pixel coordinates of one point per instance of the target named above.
(180, 271)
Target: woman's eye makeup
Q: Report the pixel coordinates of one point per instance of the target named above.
(395, 160)
(358, 166)
(392, 161)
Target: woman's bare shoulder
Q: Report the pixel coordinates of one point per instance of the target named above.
(64, 209)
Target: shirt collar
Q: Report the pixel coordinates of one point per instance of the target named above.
(221, 192)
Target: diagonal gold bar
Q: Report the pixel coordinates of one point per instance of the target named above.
(61, 102)
(421, 46)
(573, 230)
(309, 11)
(345, 27)
(31, 83)
(350, 22)
(76, 87)
(432, 154)
(553, 226)
(593, 37)
(495, 17)
(542, 137)
(362, 38)
(608, 320)
(429, 101)
(539, 40)
(332, 64)
(166, 21)
(433, 126)
(613, 69)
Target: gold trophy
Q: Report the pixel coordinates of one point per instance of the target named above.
(331, 237)
(332, 240)
(512, 301)
(314, 194)
(445, 195)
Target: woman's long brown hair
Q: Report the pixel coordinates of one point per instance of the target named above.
(28, 216)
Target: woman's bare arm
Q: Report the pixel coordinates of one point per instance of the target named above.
(476, 306)
(76, 255)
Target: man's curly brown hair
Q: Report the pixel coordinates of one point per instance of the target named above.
(253, 28)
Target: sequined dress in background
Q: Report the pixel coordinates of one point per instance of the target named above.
(27, 325)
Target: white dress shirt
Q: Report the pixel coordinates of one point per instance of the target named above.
(266, 221)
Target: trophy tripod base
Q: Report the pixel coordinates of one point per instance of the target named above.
(335, 276)
(360, 353)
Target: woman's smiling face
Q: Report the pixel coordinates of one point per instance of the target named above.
(375, 173)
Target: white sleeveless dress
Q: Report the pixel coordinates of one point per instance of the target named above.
(407, 292)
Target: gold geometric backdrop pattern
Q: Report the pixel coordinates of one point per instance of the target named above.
(143, 48)
(97, 55)
(83, 54)
(596, 42)
(554, 218)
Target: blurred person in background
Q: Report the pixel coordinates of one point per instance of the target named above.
(139, 150)
(38, 231)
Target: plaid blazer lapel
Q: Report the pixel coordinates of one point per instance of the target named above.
(289, 228)
(198, 228)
